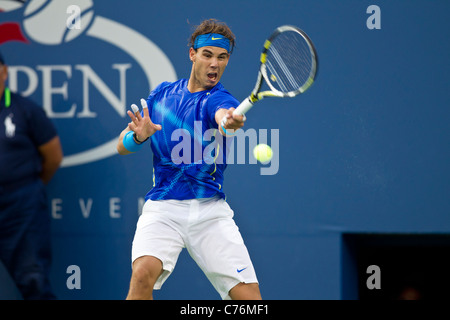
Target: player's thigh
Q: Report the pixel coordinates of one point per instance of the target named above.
(157, 235)
(218, 248)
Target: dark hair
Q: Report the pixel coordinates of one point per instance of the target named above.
(213, 26)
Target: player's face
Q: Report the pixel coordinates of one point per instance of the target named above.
(208, 66)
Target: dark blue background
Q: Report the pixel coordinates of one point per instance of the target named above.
(365, 150)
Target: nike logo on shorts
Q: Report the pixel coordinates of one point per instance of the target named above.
(240, 270)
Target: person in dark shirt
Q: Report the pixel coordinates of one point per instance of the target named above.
(30, 154)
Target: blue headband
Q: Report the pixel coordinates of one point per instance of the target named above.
(213, 40)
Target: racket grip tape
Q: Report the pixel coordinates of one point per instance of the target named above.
(243, 108)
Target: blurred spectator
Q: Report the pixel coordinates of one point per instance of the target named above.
(30, 154)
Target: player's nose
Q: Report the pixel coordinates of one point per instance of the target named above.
(214, 63)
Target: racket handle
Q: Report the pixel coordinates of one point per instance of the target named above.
(243, 108)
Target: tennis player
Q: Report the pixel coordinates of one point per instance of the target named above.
(186, 207)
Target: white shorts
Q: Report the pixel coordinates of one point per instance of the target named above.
(205, 227)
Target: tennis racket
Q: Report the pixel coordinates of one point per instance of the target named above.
(288, 65)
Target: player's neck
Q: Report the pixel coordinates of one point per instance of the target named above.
(194, 85)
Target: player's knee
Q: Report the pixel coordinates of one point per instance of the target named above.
(245, 291)
(146, 270)
(143, 279)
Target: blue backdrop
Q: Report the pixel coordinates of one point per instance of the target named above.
(366, 149)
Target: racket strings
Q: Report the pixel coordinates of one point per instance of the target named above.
(289, 62)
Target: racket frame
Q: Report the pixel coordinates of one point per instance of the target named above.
(255, 95)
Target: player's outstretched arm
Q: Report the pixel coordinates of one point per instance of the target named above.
(142, 126)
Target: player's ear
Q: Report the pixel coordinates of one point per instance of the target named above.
(192, 53)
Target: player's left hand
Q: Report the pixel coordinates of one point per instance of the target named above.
(142, 126)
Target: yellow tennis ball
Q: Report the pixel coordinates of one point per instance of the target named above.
(263, 153)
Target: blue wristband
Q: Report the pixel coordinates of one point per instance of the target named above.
(227, 133)
(130, 144)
